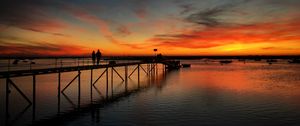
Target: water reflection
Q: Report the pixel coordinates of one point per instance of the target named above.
(155, 80)
(206, 94)
(68, 105)
(212, 94)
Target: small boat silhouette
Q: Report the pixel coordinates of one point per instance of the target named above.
(271, 61)
(16, 61)
(242, 60)
(225, 61)
(294, 61)
(185, 65)
(257, 59)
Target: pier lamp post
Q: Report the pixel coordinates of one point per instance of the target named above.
(155, 50)
(155, 56)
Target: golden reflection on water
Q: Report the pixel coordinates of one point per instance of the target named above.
(281, 81)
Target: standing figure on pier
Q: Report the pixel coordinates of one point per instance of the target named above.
(98, 55)
(94, 57)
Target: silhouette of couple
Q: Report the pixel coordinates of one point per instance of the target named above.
(96, 56)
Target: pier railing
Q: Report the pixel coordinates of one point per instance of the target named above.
(43, 63)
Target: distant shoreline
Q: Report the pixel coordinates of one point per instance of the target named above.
(167, 57)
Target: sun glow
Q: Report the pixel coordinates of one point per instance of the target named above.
(206, 29)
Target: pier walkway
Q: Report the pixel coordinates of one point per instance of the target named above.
(150, 68)
(17, 73)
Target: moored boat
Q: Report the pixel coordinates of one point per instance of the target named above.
(225, 61)
(186, 65)
(294, 61)
(271, 61)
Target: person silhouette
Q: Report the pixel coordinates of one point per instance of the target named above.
(94, 57)
(98, 56)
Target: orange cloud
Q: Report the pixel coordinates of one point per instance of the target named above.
(218, 36)
(41, 49)
(102, 25)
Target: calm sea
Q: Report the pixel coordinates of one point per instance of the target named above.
(251, 93)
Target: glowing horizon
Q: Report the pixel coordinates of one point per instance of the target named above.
(135, 27)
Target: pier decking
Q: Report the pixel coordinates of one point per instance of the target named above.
(18, 73)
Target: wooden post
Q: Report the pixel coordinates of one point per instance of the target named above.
(79, 88)
(156, 69)
(59, 82)
(7, 102)
(148, 69)
(8, 65)
(58, 93)
(106, 82)
(126, 78)
(83, 61)
(138, 75)
(77, 62)
(33, 96)
(55, 62)
(91, 87)
(61, 63)
(112, 80)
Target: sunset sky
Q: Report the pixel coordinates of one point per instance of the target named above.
(136, 27)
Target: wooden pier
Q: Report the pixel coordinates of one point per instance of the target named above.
(151, 68)
(17, 73)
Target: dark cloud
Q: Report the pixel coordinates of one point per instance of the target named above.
(29, 15)
(140, 8)
(291, 3)
(176, 36)
(269, 32)
(186, 8)
(44, 31)
(187, 44)
(188, 40)
(39, 49)
(208, 17)
(211, 17)
(123, 30)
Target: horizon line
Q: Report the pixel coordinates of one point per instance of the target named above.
(137, 56)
